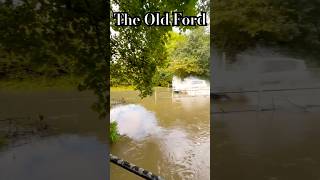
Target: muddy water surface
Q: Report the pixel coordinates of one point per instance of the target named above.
(281, 140)
(73, 148)
(168, 136)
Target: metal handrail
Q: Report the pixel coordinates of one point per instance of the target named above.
(133, 168)
(265, 90)
(222, 111)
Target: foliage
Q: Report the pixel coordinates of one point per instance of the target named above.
(122, 88)
(40, 83)
(162, 77)
(185, 66)
(174, 41)
(241, 24)
(40, 38)
(120, 81)
(139, 51)
(113, 133)
(190, 56)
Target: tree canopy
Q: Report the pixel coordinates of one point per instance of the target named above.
(241, 24)
(190, 56)
(138, 51)
(41, 38)
(56, 38)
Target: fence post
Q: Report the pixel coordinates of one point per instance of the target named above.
(259, 100)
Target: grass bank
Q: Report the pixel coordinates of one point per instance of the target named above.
(39, 84)
(122, 88)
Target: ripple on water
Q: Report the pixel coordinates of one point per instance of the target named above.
(180, 155)
(187, 156)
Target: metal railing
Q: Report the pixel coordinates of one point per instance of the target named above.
(133, 168)
(158, 95)
(258, 106)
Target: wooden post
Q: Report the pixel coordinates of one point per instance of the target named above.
(155, 96)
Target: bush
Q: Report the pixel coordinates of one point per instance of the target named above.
(162, 78)
(114, 134)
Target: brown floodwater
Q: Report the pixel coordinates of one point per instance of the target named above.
(169, 136)
(271, 135)
(75, 148)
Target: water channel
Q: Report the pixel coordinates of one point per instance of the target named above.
(74, 147)
(167, 135)
(266, 135)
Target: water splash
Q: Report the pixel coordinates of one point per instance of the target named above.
(191, 85)
(134, 121)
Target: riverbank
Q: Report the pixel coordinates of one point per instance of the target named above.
(39, 84)
(122, 88)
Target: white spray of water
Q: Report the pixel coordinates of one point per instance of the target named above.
(191, 85)
(134, 121)
(177, 146)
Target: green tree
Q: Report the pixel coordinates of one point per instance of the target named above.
(57, 38)
(241, 24)
(139, 51)
(191, 56)
(71, 37)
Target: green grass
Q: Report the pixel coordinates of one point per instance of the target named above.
(128, 88)
(39, 84)
(122, 88)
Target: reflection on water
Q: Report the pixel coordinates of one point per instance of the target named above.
(261, 68)
(278, 144)
(190, 157)
(64, 157)
(269, 145)
(75, 150)
(176, 143)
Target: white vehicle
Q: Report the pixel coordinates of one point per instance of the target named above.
(191, 86)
